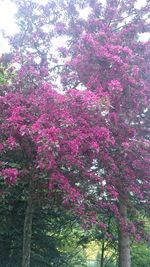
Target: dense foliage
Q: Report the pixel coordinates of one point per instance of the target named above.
(85, 150)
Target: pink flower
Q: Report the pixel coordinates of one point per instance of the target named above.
(10, 175)
(133, 230)
(115, 85)
(95, 146)
(11, 142)
(126, 145)
(102, 225)
(137, 238)
(23, 130)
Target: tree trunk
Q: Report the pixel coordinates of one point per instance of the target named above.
(102, 254)
(124, 240)
(27, 233)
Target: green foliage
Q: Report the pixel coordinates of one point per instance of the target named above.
(55, 235)
(7, 73)
(140, 255)
(2, 78)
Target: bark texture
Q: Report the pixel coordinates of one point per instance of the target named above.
(102, 254)
(124, 240)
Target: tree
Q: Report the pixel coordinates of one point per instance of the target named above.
(41, 135)
(108, 58)
(52, 233)
(94, 144)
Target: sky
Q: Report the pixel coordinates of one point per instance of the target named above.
(7, 20)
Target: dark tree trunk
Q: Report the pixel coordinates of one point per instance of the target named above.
(102, 254)
(124, 240)
(27, 233)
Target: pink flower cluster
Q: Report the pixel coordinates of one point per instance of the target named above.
(10, 175)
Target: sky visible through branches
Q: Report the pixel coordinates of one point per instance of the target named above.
(7, 20)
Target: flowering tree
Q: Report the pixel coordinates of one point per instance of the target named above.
(45, 140)
(91, 147)
(108, 58)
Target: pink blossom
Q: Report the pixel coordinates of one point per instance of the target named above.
(11, 141)
(115, 85)
(95, 146)
(102, 225)
(10, 175)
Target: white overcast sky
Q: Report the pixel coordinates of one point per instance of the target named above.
(7, 20)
